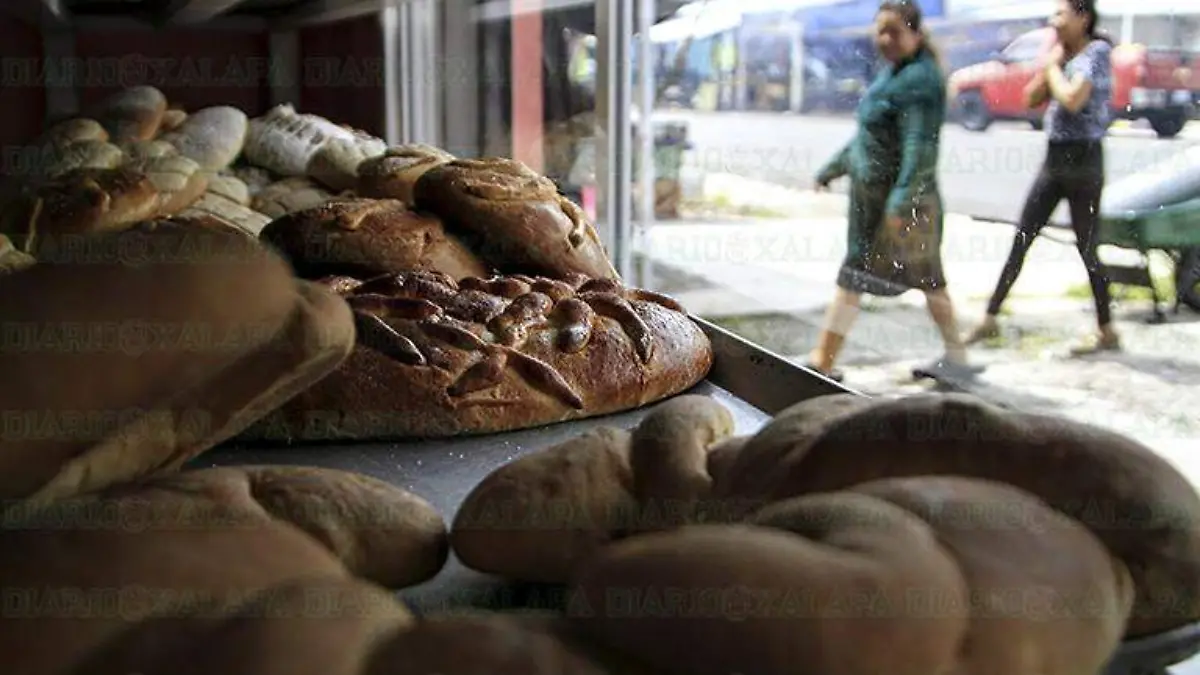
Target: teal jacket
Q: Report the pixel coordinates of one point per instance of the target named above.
(899, 124)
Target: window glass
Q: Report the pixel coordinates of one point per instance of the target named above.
(751, 100)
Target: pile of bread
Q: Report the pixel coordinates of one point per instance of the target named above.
(482, 299)
(932, 534)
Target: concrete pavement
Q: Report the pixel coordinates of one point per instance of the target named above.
(771, 279)
(985, 175)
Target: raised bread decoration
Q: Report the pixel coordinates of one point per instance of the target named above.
(95, 154)
(520, 221)
(335, 164)
(284, 141)
(287, 196)
(367, 238)
(132, 114)
(139, 151)
(179, 181)
(212, 137)
(229, 187)
(925, 575)
(393, 174)
(438, 358)
(80, 202)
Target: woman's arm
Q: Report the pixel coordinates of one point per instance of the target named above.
(1073, 93)
(1037, 91)
(919, 128)
(836, 167)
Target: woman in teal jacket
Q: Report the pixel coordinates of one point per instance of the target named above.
(895, 221)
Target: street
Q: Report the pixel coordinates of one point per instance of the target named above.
(983, 175)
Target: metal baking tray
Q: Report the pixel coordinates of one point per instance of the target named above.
(753, 383)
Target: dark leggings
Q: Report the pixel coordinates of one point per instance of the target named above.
(1074, 171)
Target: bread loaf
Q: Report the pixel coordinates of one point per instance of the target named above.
(393, 174)
(283, 141)
(80, 202)
(539, 517)
(213, 205)
(172, 119)
(287, 196)
(138, 151)
(1092, 475)
(74, 130)
(12, 260)
(178, 180)
(212, 137)
(229, 187)
(517, 217)
(439, 358)
(61, 159)
(196, 556)
(255, 178)
(132, 114)
(367, 238)
(335, 164)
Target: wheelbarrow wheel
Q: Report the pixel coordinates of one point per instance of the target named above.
(1187, 278)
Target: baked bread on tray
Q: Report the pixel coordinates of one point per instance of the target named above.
(437, 358)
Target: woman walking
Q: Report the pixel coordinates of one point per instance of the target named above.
(895, 220)
(1077, 83)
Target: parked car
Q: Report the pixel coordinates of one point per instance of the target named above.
(1160, 85)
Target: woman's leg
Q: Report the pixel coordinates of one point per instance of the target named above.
(941, 310)
(1084, 201)
(839, 318)
(1043, 198)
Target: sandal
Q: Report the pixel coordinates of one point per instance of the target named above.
(835, 374)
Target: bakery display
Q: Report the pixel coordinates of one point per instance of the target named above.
(368, 238)
(443, 358)
(516, 215)
(177, 282)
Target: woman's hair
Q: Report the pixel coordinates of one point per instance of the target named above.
(1088, 8)
(910, 13)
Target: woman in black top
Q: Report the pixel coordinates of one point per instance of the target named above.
(1077, 81)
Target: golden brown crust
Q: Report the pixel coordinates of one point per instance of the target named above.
(393, 174)
(521, 222)
(367, 238)
(84, 201)
(436, 358)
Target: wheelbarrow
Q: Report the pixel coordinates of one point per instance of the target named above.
(1173, 229)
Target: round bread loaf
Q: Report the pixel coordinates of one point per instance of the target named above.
(74, 130)
(172, 119)
(515, 218)
(132, 114)
(335, 164)
(439, 358)
(229, 187)
(393, 174)
(212, 137)
(1143, 510)
(367, 238)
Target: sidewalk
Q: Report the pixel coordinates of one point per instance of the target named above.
(771, 279)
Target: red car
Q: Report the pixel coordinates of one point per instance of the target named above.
(1158, 85)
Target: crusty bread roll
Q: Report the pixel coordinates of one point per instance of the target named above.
(335, 164)
(517, 215)
(393, 174)
(287, 196)
(243, 218)
(80, 202)
(75, 130)
(132, 114)
(367, 238)
(1098, 477)
(172, 119)
(539, 517)
(229, 187)
(439, 358)
(284, 141)
(205, 550)
(178, 180)
(910, 577)
(140, 151)
(213, 137)
(60, 159)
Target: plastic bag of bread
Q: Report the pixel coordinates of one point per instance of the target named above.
(261, 569)
(133, 352)
(284, 141)
(539, 517)
(1135, 502)
(913, 576)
